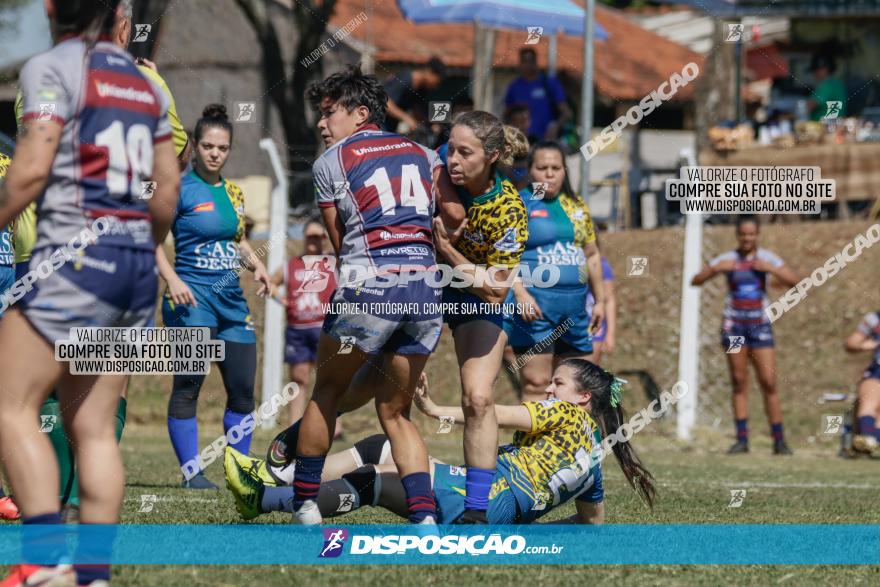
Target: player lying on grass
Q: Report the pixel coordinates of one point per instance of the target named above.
(547, 464)
(866, 338)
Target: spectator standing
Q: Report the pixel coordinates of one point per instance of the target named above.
(541, 94)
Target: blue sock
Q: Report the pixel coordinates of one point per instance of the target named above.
(867, 426)
(93, 553)
(2, 493)
(43, 539)
(242, 442)
(307, 479)
(277, 499)
(776, 431)
(184, 438)
(742, 430)
(419, 497)
(477, 485)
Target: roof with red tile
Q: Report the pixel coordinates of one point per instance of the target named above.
(628, 66)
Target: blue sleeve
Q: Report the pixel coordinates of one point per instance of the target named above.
(607, 272)
(508, 95)
(556, 88)
(443, 152)
(595, 493)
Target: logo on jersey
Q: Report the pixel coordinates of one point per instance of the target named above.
(245, 111)
(539, 214)
(737, 497)
(108, 90)
(833, 422)
(578, 214)
(508, 242)
(539, 190)
(474, 237)
(47, 423)
(148, 189)
(316, 276)
(204, 207)
(385, 235)
(440, 111)
(334, 539)
(446, 424)
(535, 33)
(340, 189)
(541, 501)
(346, 503)
(735, 344)
(47, 111)
(141, 33)
(346, 345)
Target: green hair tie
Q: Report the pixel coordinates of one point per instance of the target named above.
(617, 390)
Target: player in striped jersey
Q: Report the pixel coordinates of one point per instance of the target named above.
(94, 129)
(866, 338)
(553, 458)
(375, 190)
(746, 333)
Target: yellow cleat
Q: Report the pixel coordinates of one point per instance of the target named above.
(246, 486)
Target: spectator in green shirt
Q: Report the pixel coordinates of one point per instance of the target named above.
(829, 88)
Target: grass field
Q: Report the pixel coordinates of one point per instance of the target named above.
(694, 480)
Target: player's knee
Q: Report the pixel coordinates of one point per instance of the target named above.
(241, 401)
(478, 403)
(182, 406)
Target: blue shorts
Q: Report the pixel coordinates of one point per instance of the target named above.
(755, 336)
(301, 345)
(7, 278)
(399, 319)
(563, 312)
(872, 372)
(468, 308)
(226, 310)
(449, 491)
(105, 287)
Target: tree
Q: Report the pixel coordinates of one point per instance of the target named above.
(287, 89)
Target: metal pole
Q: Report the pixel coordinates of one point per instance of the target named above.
(551, 57)
(737, 109)
(587, 95)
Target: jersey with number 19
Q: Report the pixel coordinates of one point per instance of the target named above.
(111, 118)
(381, 185)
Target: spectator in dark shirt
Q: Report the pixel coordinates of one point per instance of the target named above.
(541, 94)
(410, 88)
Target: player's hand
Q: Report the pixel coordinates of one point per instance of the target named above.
(724, 266)
(147, 63)
(529, 310)
(261, 276)
(421, 397)
(763, 266)
(181, 294)
(608, 345)
(444, 239)
(596, 318)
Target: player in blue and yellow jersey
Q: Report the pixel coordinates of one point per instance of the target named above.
(866, 338)
(8, 509)
(93, 129)
(488, 247)
(204, 291)
(746, 333)
(377, 194)
(554, 457)
(561, 234)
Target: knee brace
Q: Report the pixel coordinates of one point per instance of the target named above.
(373, 450)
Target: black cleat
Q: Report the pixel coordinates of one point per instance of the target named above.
(780, 448)
(473, 517)
(740, 448)
(198, 482)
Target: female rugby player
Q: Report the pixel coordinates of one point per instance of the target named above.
(561, 234)
(866, 338)
(376, 193)
(84, 154)
(8, 509)
(552, 459)
(492, 238)
(204, 289)
(745, 331)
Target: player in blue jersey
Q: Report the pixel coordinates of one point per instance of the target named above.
(866, 338)
(746, 333)
(375, 190)
(94, 129)
(204, 291)
(554, 457)
(561, 234)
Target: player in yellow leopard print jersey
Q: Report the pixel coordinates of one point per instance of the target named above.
(562, 236)
(488, 247)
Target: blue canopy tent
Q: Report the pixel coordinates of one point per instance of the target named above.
(558, 16)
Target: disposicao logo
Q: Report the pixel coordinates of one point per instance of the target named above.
(334, 539)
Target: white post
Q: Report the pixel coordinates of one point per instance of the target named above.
(689, 337)
(587, 94)
(552, 56)
(273, 320)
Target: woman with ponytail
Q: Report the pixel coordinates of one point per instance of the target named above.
(84, 148)
(204, 291)
(555, 456)
(487, 247)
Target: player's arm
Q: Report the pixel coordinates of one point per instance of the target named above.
(783, 273)
(448, 203)
(711, 269)
(861, 340)
(31, 164)
(610, 316)
(163, 204)
(509, 417)
(333, 224)
(399, 113)
(179, 291)
(597, 285)
(252, 261)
